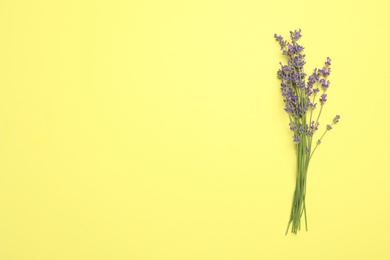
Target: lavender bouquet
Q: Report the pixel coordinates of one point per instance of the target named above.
(299, 98)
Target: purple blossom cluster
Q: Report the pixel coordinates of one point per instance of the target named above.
(308, 130)
(299, 94)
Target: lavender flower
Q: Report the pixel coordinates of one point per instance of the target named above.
(310, 104)
(314, 126)
(324, 72)
(327, 62)
(293, 126)
(301, 129)
(280, 40)
(324, 85)
(336, 119)
(297, 140)
(299, 96)
(295, 35)
(323, 98)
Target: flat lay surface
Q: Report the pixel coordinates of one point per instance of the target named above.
(155, 130)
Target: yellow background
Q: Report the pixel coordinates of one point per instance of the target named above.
(156, 130)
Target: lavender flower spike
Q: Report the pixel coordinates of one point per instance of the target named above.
(297, 140)
(295, 35)
(327, 62)
(328, 127)
(336, 119)
(323, 98)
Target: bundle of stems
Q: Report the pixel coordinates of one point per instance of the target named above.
(299, 98)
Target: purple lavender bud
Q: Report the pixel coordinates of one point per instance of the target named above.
(324, 72)
(295, 35)
(297, 140)
(308, 91)
(327, 62)
(288, 109)
(315, 128)
(295, 78)
(319, 141)
(336, 119)
(316, 75)
(310, 84)
(307, 149)
(280, 74)
(329, 127)
(280, 40)
(285, 69)
(293, 126)
(308, 130)
(316, 90)
(325, 86)
(323, 98)
(301, 129)
(310, 104)
(290, 48)
(299, 48)
(283, 85)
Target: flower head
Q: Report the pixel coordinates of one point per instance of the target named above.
(336, 119)
(289, 109)
(293, 126)
(308, 91)
(324, 85)
(310, 104)
(329, 127)
(297, 140)
(307, 149)
(314, 127)
(324, 72)
(295, 35)
(280, 40)
(301, 130)
(316, 75)
(323, 98)
(327, 62)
